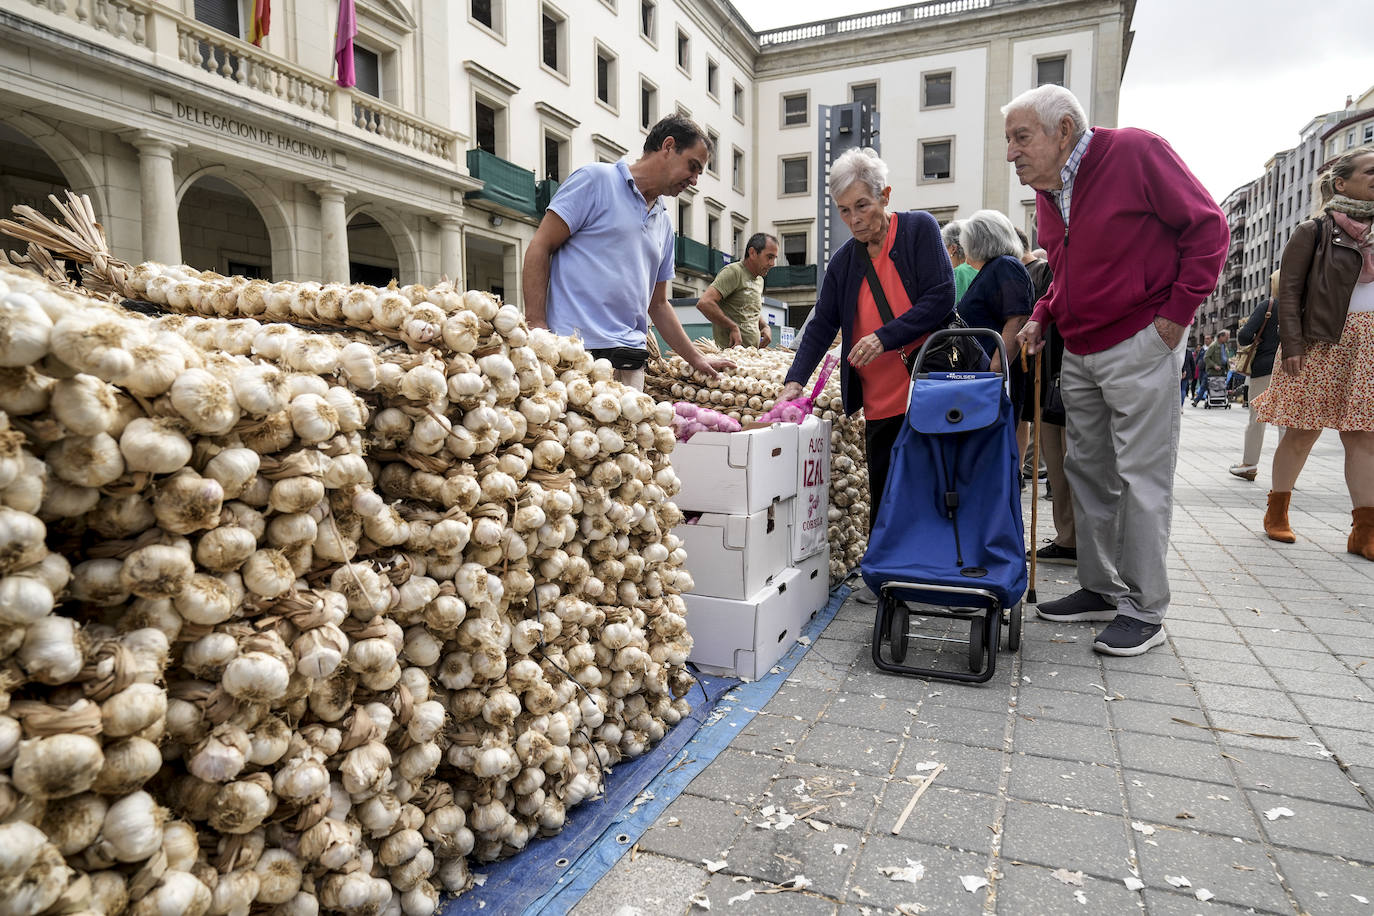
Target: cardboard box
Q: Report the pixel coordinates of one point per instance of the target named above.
(733, 556)
(810, 588)
(744, 638)
(810, 516)
(738, 473)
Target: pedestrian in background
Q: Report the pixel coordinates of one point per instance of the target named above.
(1326, 344)
(1200, 378)
(1148, 242)
(963, 273)
(1262, 329)
(733, 303)
(1186, 379)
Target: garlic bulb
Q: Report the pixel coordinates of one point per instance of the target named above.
(256, 677)
(280, 874)
(156, 571)
(52, 651)
(205, 401)
(234, 469)
(57, 766)
(129, 764)
(132, 830)
(25, 330)
(83, 404)
(178, 893)
(86, 461)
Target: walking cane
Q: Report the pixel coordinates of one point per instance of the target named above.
(1035, 473)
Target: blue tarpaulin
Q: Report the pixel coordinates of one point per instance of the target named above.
(553, 873)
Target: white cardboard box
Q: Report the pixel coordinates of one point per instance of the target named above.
(811, 514)
(744, 638)
(738, 473)
(811, 586)
(733, 556)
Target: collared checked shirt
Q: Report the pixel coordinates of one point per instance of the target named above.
(1069, 172)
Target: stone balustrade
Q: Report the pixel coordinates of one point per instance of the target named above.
(930, 9)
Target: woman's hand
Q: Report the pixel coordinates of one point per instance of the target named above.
(865, 351)
(1292, 364)
(790, 392)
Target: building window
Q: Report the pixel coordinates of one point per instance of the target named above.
(648, 20)
(794, 175)
(796, 107)
(553, 40)
(1052, 70)
(1368, 133)
(794, 248)
(367, 67)
(648, 103)
(555, 156)
(490, 14)
(684, 218)
(737, 169)
(713, 141)
(606, 77)
(739, 102)
(736, 240)
(865, 92)
(937, 89)
(937, 159)
(712, 78)
(684, 52)
(713, 231)
(489, 126)
(220, 14)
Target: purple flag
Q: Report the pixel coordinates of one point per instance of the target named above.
(343, 43)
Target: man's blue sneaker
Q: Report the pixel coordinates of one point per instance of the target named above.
(1128, 636)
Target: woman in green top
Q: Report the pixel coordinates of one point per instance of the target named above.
(964, 272)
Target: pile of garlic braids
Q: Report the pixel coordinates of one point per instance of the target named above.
(749, 391)
(304, 620)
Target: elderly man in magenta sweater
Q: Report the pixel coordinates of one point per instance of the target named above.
(1136, 244)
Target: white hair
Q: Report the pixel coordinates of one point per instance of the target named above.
(950, 236)
(860, 165)
(1051, 104)
(988, 234)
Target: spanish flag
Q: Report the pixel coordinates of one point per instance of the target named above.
(262, 21)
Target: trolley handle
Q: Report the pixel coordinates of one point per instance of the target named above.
(959, 332)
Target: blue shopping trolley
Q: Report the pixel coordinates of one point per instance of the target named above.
(949, 541)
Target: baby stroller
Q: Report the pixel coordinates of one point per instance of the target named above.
(949, 535)
(1217, 393)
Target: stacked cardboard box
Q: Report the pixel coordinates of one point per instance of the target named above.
(757, 504)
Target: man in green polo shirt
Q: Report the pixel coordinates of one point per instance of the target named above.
(734, 301)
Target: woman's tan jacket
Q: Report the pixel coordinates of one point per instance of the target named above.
(1321, 265)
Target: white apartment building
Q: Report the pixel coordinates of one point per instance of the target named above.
(197, 146)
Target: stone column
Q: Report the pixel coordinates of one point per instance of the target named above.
(333, 233)
(161, 231)
(451, 249)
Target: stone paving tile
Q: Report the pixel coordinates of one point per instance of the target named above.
(1238, 873)
(780, 855)
(1338, 713)
(695, 828)
(966, 726)
(736, 776)
(865, 681)
(1175, 691)
(849, 630)
(1176, 903)
(1353, 748)
(944, 816)
(1199, 760)
(1220, 698)
(818, 673)
(723, 887)
(1064, 647)
(1327, 884)
(1154, 718)
(843, 746)
(1240, 730)
(827, 794)
(796, 700)
(658, 886)
(940, 890)
(1063, 740)
(1284, 639)
(1062, 706)
(1092, 843)
(1156, 662)
(1242, 674)
(1316, 826)
(1031, 889)
(771, 734)
(1312, 777)
(1210, 649)
(887, 714)
(966, 767)
(1061, 782)
(1219, 809)
(990, 697)
(1061, 678)
(1189, 630)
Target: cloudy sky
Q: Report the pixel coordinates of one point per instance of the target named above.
(1227, 82)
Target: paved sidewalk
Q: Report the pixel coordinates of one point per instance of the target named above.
(1067, 761)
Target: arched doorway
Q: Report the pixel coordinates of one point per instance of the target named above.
(222, 230)
(27, 176)
(372, 257)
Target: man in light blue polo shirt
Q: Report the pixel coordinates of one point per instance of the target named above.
(605, 248)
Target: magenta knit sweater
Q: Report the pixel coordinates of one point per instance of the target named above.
(1145, 239)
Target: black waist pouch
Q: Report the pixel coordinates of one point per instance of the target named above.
(622, 357)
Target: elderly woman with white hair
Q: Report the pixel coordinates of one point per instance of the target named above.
(885, 290)
(1001, 294)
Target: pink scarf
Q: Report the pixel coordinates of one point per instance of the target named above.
(1359, 233)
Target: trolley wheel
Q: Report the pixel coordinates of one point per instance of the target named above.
(898, 628)
(1014, 627)
(975, 644)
